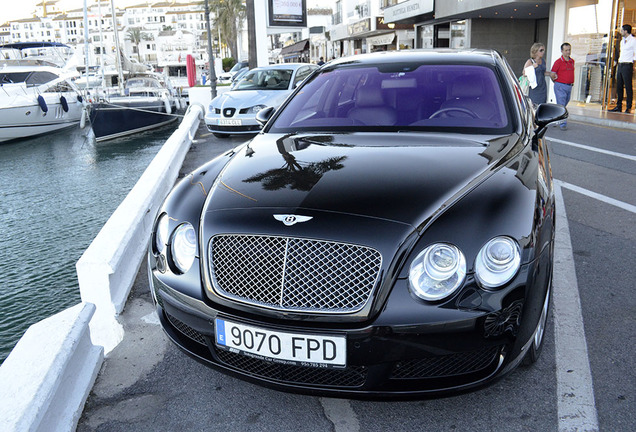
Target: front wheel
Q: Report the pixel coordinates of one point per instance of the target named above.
(534, 351)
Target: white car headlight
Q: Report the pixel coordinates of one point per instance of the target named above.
(184, 246)
(161, 234)
(437, 272)
(497, 262)
(256, 108)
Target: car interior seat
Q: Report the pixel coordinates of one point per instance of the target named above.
(468, 93)
(370, 109)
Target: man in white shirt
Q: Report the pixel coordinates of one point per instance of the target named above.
(625, 69)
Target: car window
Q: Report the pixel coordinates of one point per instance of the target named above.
(265, 79)
(302, 73)
(238, 66)
(465, 98)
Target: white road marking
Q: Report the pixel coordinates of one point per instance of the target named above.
(605, 199)
(594, 149)
(575, 392)
(340, 413)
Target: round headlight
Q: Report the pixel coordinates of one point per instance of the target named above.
(437, 272)
(256, 108)
(497, 262)
(161, 234)
(184, 246)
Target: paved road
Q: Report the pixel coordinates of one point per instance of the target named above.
(599, 192)
(587, 381)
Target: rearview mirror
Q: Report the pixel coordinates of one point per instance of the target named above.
(264, 115)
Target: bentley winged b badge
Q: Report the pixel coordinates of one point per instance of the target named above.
(290, 220)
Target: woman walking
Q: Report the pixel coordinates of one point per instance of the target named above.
(539, 94)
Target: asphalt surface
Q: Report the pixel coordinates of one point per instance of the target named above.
(604, 246)
(147, 384)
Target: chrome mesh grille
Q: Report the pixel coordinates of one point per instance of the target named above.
(293, 274)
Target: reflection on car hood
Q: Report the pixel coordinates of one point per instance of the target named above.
(249, 98)
(399, 177)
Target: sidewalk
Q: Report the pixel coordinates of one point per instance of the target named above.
(593, 114)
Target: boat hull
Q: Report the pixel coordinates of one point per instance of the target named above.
(27, 121)
(118, 118)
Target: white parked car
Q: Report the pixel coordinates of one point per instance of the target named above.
(234, 112)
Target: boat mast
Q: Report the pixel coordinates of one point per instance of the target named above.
(86, 47)
(101, 43)
(120, 72)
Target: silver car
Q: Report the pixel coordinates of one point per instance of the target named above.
(234, 112)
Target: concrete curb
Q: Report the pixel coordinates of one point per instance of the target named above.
(48, 375)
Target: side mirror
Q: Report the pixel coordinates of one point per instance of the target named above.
(548, 113)
(264, 115)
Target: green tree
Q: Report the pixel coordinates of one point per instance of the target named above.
(228, 19)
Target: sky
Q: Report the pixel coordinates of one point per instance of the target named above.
(24, 8)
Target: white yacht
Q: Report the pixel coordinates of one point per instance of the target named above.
(36, 96)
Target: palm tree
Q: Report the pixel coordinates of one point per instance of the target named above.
(228, 19)
(135, 35)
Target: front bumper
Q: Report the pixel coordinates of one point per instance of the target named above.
(246, 123)
(383, 358)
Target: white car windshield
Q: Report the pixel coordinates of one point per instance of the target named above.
(265, 79)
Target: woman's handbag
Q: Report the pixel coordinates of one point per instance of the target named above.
(524, 84)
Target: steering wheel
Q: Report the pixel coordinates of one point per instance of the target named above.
(457, 109)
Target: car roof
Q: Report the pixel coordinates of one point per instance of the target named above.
(293, 66)
(432, 56)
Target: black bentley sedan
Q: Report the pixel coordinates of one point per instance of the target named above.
(390, 232)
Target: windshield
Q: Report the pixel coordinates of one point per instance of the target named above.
(238, 66)
(142, 82)
(265, 79)
(462, 98)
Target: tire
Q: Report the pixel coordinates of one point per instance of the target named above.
(220, 135)
(534, 351)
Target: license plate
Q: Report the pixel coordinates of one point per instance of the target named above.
(229, 122)
(282, 347)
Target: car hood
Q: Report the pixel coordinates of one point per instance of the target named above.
(249, 98)
(401, 177)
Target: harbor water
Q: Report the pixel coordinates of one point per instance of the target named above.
(56, 193)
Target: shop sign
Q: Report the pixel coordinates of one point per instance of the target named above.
(360, 27)
(408, 9)
(385, 39)
(380, 24)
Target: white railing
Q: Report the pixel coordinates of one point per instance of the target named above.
(107, 269)
(48, 375)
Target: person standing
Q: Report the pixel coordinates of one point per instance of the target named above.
(625, 70)
(538, 94)
(563, 68)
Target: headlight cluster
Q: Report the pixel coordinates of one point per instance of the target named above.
(182, 243)
(256, 108)
(439, 270)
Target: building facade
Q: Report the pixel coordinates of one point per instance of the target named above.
(511, 27)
